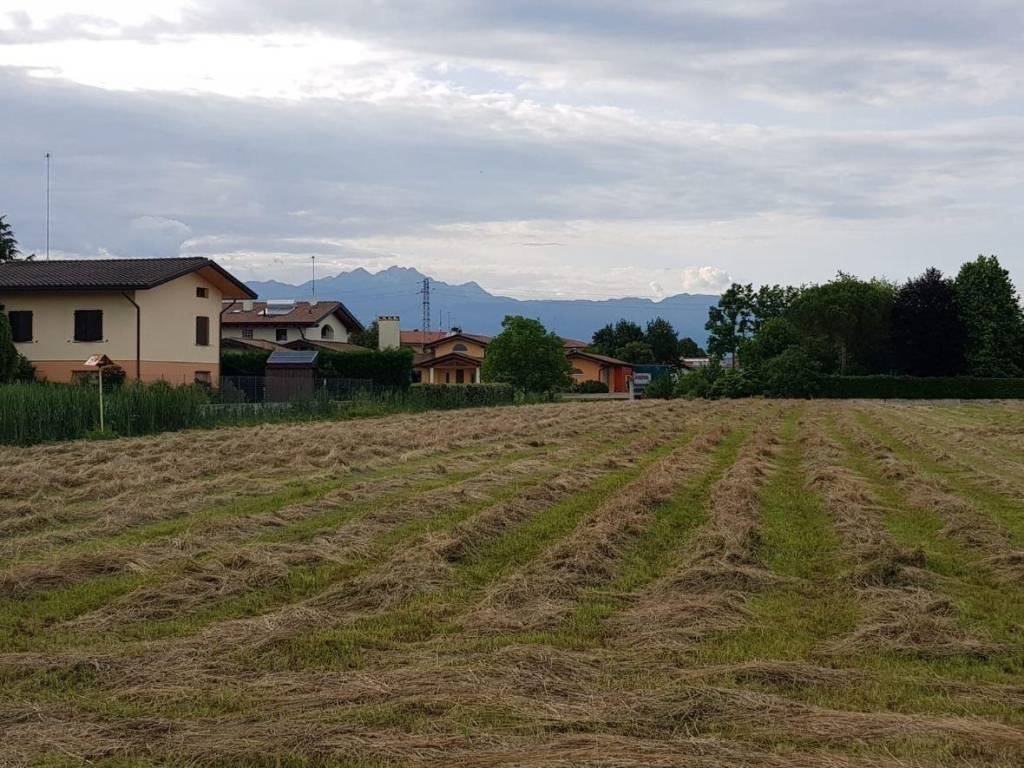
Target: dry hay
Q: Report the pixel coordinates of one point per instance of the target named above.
(468, 694)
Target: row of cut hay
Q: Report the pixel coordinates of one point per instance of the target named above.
(229, 571)
(963, 521)
(904, 611)
(275, 449)
(427, 564)
(168, 500)
(545, 592)
(705, 593)
(957, 452)
(540, 694)
(997, 445)
(85, 557)
(876, 559)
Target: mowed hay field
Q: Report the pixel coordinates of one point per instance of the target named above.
(754, 583)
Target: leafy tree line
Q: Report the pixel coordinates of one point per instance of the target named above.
(932, 325)
(658, 343)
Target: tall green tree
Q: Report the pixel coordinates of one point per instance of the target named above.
(845, 324)
(527, 356)
(730, 321)
(8, 244)
(663, 341)
(928, 331)
(769, 302)
(612, 339)
(992, 315)
(368, 337)
(637, 352)
(690, 348)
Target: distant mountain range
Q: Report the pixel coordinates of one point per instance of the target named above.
(396, 291)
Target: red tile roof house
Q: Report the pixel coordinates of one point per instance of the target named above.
(298, 324)
(155, 318)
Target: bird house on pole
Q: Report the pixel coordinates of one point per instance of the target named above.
(99, 362)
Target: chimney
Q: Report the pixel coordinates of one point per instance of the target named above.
(247, 305)
(388, 334)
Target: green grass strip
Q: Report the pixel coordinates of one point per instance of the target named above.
(798, 540)
(986, 607)
(1006, 511)
(432, 613)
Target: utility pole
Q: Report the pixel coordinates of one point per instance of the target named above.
(48, 208)
(425, 293)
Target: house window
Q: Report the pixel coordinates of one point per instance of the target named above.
(281, 334)
(88, 325)
(247, 333)
(21, 325)
(201, 292)
(577, 371)
(459, 348)
(202, 331)
(327, 332)
(447, 377)
(204, 379)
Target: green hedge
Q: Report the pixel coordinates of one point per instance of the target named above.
(387, 368)
(915, 387)
(248, 363)
(442, 396)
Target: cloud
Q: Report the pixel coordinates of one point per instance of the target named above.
(704, 280)
(558, 148)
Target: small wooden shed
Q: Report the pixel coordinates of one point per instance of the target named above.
(290, 374)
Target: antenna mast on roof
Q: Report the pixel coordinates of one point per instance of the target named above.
(47, 206)
(313, 258)
(425, 293)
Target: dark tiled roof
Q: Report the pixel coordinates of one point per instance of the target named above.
(416, 338)
(302, 313)
(234, 343)
(335, 346)
(107, 274)
(451, 359)
(600, 358)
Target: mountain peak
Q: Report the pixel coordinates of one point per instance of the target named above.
(396, 291)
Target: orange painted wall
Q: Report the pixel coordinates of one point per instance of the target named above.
(151, 370)
(614, 376)
(472, 349)
(439, 373)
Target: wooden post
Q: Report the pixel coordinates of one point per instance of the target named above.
(101, 399)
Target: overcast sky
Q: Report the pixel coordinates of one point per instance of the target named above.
(547, 148)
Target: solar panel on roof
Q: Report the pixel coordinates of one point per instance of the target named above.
(293, 357)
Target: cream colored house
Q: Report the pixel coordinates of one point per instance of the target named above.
(287, 322)
(155, 318)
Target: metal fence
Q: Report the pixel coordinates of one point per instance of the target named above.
(285, 389)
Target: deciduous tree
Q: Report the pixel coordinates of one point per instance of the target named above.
(928, 331)
(527, 356)
(992, 315)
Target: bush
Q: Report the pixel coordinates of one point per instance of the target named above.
(592, 388)
(792, 373)
(386, 368)
(661, 388)
(919, 387)
(445, 396)
(248, 363)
